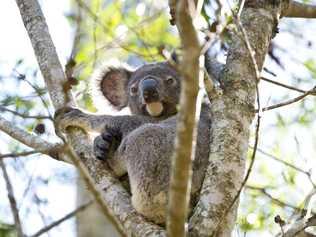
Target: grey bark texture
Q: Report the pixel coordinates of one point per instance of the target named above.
(185, 141)
(233, 113)
(36, 142)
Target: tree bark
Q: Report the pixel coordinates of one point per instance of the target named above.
(232, 114)
(114, 196)
(184, 150)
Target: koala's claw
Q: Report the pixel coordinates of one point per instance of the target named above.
(100, 148)
(106, 144)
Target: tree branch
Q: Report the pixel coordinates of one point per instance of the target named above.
(13, 205)
(25, 153)
(53, 150)
(22, 115)
(302, 10)
(297, 227)
(45, 51)
(185, 141)
(291, 101)
(245, 38)
(114, 195)
(273, 199)
(284, 85)
(37, 91)
(232, 115)
(306, 173)
(61, 220)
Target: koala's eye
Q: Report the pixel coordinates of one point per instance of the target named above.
(133, 90)
(170, 81)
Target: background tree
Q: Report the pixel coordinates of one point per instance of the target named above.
(142, 33)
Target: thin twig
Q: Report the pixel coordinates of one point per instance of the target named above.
(273, 199)
(307, 173)
(115, 40)
(37, 91)
(240, 7)
(13, 205)
(29, 183)
(135, 31)
(23, 115)
(44, 221)
(66, 217)
(296, 99)
(40, 212)
(138, 27)
(284, 85)
(25, 153)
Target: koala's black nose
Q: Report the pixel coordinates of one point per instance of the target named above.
(149, 89)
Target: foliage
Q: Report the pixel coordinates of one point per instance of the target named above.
(126, 30)
(7, 230)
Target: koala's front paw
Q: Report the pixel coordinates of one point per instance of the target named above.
(66, 117)
(106, 144)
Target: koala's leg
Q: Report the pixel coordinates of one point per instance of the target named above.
(147, 152)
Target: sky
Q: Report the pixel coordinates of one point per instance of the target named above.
(14, 42)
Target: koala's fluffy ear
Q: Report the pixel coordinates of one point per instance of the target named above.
(112, 83)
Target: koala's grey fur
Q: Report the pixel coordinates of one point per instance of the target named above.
(146, 142)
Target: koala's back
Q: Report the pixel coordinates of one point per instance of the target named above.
(149, 170)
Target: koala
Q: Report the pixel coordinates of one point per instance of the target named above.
(141, 144)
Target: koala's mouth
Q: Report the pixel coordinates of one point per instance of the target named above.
(154, 108)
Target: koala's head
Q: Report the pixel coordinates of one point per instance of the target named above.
(152, 89)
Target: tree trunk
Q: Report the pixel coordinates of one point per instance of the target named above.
(233, 113)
